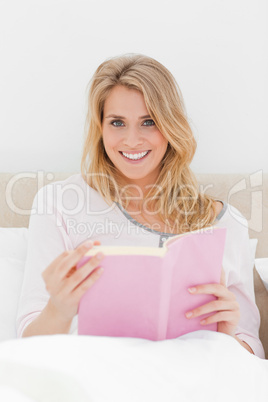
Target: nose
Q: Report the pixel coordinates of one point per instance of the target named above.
(132, 138)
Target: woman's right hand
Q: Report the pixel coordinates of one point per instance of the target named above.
(66, 284)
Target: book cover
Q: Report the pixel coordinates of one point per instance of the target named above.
(143, 290)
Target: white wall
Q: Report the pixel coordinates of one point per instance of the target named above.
(216, 49)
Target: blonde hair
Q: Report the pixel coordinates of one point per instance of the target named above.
(175, 195)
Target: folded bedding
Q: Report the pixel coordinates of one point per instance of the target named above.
(199, 366)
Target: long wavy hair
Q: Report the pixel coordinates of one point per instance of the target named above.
(175, 195)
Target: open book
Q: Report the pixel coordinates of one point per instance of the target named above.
(143, 290)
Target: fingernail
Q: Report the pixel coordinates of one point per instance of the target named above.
(189, 314)
(99, 256)
(100, 271)
(192, 290)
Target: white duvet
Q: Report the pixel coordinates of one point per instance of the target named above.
(201, 366)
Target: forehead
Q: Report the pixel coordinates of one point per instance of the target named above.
(124, 100)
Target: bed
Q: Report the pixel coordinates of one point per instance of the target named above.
(201, 366)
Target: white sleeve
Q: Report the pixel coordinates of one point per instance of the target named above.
(239, 265)
(47, 238)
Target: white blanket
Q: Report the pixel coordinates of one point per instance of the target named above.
(200, 366)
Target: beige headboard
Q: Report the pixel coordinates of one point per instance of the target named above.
(246, 192)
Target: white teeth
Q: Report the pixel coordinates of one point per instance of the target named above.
(135, 156)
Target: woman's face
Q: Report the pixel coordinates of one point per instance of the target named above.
(131, 138)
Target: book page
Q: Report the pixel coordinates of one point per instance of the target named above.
(127, 250)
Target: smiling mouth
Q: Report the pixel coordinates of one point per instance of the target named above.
(135, 157)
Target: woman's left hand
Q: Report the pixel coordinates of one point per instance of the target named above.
(227, 311)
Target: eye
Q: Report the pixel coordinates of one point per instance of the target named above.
(116, 121)
(119, 123)
(151, 123)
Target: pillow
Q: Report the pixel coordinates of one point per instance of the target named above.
(13, 249)
(261, 265)
(253, 247)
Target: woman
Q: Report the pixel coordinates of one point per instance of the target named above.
(136, 187)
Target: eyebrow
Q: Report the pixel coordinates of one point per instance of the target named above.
(122, 117)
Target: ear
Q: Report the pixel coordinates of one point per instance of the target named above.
(222, 281)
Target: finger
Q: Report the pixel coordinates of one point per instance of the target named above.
(226, 316)
(215, 289)
(222, 280)
(70, 261)
(79, 291)
(51, 267)
(65, 254)
(216, 305)
(82, 273)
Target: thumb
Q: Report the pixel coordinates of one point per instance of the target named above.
(222, 281)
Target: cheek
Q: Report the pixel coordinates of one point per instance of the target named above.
(109, 141)
(161, 141)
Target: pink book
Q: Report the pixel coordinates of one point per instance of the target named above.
(143, 292)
